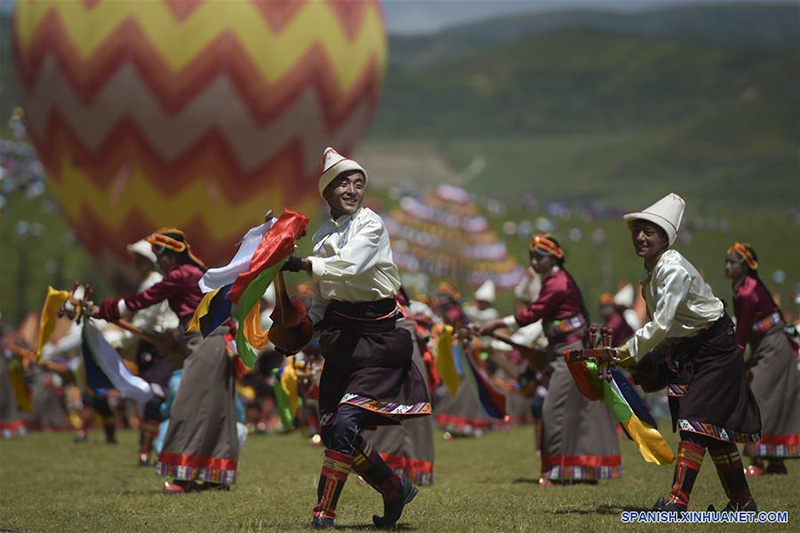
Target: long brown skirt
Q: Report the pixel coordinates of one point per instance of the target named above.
(201, 442)
(408, 449)
(368, 365)
(710, 394)
(579, 438)
(776, 386)
(48, 412)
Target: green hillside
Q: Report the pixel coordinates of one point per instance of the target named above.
(582, 115)
(576, 107)
(759, 24)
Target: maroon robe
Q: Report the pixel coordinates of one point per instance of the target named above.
(179, 287)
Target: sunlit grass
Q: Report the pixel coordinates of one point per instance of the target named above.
(47, 483)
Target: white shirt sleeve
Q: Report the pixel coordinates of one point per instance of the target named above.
(672, 286)
(357, 256)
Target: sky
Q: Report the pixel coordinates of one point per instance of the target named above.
(410, 17)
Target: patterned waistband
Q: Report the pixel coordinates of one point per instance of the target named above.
(560, 328)
(767, 323)
(376, 317)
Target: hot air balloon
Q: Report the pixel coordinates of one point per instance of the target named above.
(195, 114)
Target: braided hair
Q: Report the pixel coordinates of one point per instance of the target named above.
(560, 262)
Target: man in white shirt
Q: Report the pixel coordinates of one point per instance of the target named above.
(692, 341)
(482, 309)
(368, 378)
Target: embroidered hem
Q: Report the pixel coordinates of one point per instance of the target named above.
(389, 409)
(12, 429)
(417, 471)
(717, 432)
(579, 473)
(191, 468)
(782, 451)
(778, 446)
(473, 427)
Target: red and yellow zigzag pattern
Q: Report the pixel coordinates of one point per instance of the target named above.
(198, 114)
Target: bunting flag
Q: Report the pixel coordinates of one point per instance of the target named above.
(105, 368)
(445, 362)
(628, 408)
(446, 236)
(47, 321)
(260, 256)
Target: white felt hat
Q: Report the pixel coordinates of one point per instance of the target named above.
(333, 164)
(624, 297)
(143, 248)
(486, 292)
(666, 213)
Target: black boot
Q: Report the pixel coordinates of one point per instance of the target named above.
(392, 509)
(396, 492)
(667, 505)
(111, 431)
(749, 505)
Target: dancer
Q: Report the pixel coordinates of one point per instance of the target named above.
(201, 442)
(771, 369)
(612, 310)
(368, 378)
(482, 307)
(579, 441)
(695, 347)
(153, 366)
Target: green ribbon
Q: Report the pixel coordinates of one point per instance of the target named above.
(619, 408)
(252, 294)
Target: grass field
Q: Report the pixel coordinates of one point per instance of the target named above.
(47, 483)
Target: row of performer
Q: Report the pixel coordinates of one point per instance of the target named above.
(372, 361)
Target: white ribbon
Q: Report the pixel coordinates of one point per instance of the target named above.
(113, 367)
(215, 278)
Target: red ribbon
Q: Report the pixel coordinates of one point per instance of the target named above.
(276, 245)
